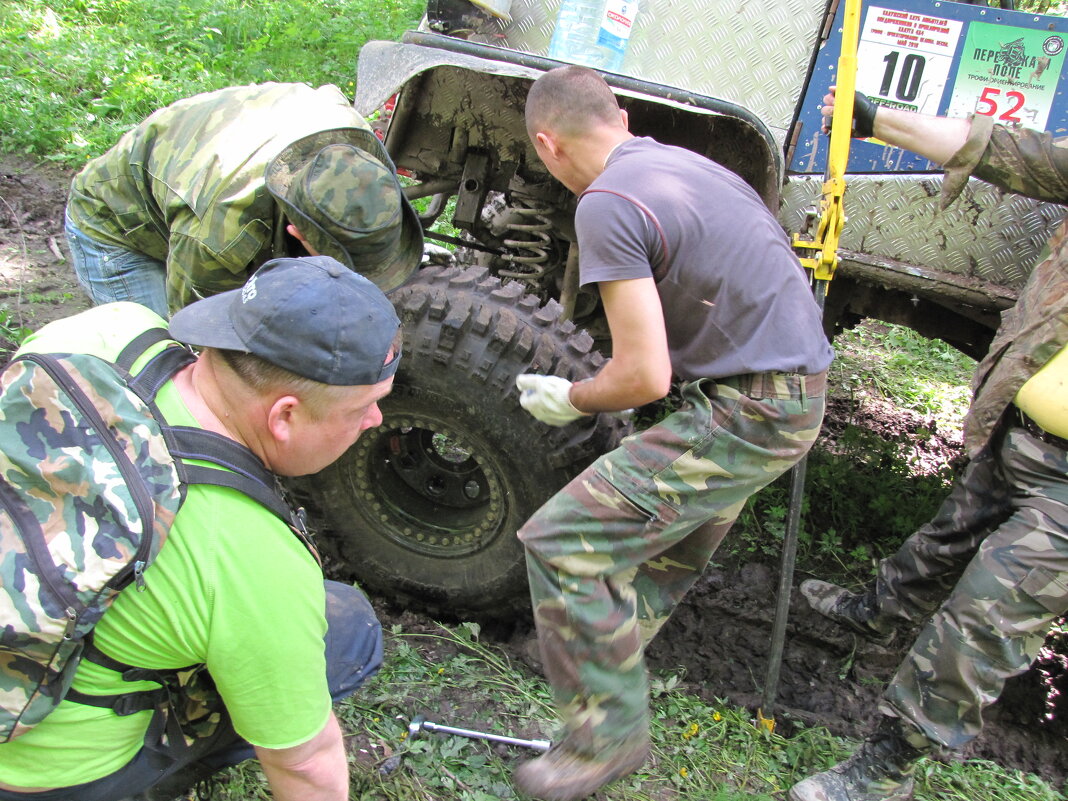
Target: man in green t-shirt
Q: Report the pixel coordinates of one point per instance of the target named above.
(291, 366)
(204, 191)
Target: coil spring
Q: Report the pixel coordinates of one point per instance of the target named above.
(528, 235)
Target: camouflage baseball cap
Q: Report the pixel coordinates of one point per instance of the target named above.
(340, 189)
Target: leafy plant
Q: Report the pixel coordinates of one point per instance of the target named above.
(924, 375)
(75, 74)
(12, 332)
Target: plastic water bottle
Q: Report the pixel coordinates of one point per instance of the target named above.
(578, 24)
(614, 34)
(593, 32)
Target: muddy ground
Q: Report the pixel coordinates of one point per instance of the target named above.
(719, 636)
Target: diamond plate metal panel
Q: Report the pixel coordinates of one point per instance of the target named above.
(984, 234)
(752, 54)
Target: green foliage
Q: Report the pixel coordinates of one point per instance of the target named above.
(924, 375)
(1054, 7)
(75, 74)
(11, 330)
(861, 501)
(976, 778)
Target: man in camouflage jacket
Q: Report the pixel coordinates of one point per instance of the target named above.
(201, 193)
(994, 561)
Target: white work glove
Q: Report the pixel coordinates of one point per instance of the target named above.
(436, 254)
(546, 397)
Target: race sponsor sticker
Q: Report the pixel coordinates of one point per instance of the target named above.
(1008, 73)
(904, 58)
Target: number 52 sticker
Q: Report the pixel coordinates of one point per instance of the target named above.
(1005, 106)
(1010, 74)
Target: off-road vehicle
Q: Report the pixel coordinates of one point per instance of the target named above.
(425, 509)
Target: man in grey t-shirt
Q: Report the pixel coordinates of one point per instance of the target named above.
(698, 283)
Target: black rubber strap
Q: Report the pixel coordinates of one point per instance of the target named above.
(123, 704)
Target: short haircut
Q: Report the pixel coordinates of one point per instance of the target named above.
(265, 378)
(570, 101)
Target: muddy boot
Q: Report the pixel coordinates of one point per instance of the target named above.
(880, 770)
(856, 611)
(564, 775)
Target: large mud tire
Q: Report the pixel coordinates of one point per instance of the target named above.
(424, 509)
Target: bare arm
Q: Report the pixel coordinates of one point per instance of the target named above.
(313, 771)
(640, 369)
(934, 138)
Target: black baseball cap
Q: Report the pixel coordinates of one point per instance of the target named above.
(312, 316)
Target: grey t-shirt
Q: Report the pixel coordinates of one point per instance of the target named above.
(735, 297)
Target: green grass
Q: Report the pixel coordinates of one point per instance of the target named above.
(75, 74)
(866, 492)
(926, 376)
(12, 332)
(702, 751)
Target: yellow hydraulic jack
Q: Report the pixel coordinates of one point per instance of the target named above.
(820, 255)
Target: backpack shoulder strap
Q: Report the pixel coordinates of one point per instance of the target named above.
(159, 370)
(138, 345)
(245, 472)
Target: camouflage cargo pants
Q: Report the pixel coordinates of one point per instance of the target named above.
(612, 553)
(994, 564)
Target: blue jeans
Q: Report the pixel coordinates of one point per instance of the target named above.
(108, 273)
(353, 655)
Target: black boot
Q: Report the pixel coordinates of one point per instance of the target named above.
(880, 770)
(856, 611)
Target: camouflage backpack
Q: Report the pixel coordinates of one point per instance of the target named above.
(90, 482)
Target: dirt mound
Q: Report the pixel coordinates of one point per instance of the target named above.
(927, 449)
